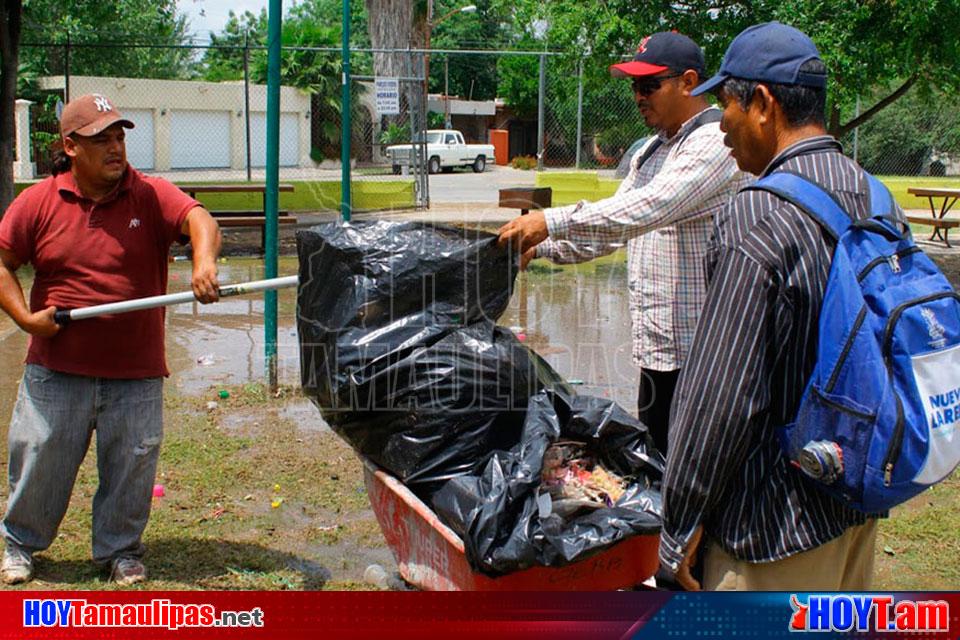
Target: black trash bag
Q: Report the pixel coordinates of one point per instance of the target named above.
(400, 350)
(401, 353)
(496, 511)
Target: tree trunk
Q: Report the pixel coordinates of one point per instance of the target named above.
(395, 24)
(9, 62)
(401, 25)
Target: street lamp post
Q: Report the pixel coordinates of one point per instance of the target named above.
(431, 23)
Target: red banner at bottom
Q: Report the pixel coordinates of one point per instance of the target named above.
(143, 615)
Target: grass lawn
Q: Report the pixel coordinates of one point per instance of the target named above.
(397, 192)
(918, 548)
(313, 195)
(252, 502)
(267, 506)
(898, 187)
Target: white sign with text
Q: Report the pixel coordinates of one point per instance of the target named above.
(388, 96)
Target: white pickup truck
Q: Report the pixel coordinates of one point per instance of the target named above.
(445, 150)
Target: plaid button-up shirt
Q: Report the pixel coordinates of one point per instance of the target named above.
(663, 211)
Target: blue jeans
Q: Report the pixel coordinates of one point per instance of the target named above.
(53, 420)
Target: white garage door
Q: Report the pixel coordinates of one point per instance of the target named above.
(140, 138)
(199, 139)
(289, 139)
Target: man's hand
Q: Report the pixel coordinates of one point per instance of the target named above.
(684, 578)
(526, 257)
(41, 323)
(204, 233)
(524, 232)
(204, 281)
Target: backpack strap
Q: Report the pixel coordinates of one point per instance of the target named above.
(822, 207)
(810, 197)
(648, 151)
(705, 117)
(883, 209)
(881, 200)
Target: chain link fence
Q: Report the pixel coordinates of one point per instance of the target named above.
(918, 135)
(591, 118)
(200, 113)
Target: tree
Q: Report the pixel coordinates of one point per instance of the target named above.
(310, 29)
(469, 75)
(47, 26)
(867, 46)
(222, 61)
(904, 138)
(52, 24)
(9, 47)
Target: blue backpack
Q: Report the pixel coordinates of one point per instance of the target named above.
(879, 420)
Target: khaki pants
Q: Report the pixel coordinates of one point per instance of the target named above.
(843, 564)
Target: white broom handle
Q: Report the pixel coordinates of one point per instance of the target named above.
(124, 306)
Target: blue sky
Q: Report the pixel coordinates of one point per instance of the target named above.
(211, 15)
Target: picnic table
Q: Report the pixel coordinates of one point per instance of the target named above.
(242, 218)
(938, 220)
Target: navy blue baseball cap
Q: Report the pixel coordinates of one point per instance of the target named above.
(659, 52)
(769, 52)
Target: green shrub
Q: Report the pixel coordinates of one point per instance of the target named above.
(395, 134)
(524, 163)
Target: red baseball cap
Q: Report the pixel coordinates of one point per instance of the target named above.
(89, 115)
(659, 52)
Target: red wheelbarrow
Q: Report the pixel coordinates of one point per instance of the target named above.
(431, 556)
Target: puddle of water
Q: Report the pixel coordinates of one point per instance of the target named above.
(242, 423)
(579, 323)
(223, 343)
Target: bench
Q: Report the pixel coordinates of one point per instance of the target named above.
(938, 224)
(234, 219)
(243, 217)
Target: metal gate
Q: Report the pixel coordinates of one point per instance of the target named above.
(374, 134)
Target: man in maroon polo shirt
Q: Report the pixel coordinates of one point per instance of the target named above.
(96, 231)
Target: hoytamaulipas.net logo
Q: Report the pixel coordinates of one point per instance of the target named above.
(60, 612)
(860, 612)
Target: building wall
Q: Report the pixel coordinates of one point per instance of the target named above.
(162, 97)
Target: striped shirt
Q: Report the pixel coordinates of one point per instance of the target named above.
(754, 350)
(664, 211)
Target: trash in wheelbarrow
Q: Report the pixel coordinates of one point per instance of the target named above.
(505, 513)
(401, 353)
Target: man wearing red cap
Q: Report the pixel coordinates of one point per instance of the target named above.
(663, 211)
(96, 231)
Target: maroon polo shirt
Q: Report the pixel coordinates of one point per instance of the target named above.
(87, 253)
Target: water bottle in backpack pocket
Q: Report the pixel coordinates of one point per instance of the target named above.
(879, 420)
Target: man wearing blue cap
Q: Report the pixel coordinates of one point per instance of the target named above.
(764, 526)
(663, 210)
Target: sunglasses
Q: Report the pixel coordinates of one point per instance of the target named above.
(649, 85)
